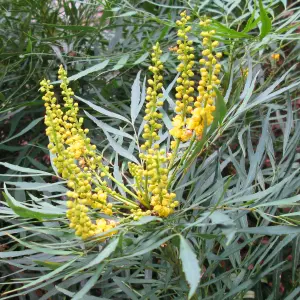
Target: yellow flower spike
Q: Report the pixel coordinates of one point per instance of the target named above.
(151, 178)
(75, 158)
(204, 105)
(154, 94)
(185, 86)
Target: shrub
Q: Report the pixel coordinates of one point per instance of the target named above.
(198, 197)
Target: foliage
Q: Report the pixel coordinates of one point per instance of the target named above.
(238, 186)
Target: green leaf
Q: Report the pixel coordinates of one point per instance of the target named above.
(105, 253)
(27, 128)
(144, 220)
(109, 128)
(72, 27)
(288, 124)
(121, 63)
(89, 284)
(190, 266)
(119, 149)
(8, 254)
(92, 69)
(46, 276)
(251, 23)
(295, 256)
(26, 212)
(271, 230)
(293, 214)
(102, 110)
(266, 23)
(293, 295)
(225, 31)
(148, 248)
(135, 98)
(127, 14)
(283, 202)
(37, 186)
(43, 249)
(24, 170)
(141, 59)
(49, 264)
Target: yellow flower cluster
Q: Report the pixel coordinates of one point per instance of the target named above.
(153, 101)
(244, 72)
(185, 87)
(151, 183)
(76, 160)
(151, 179)
(162, 202)
(275, 56)
(205, 102)
(192, 115)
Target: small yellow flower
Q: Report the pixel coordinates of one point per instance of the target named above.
(275, 56)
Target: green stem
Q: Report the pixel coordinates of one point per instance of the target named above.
(115, 195)
(185, 154)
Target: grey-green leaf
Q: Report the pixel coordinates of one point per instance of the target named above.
(92, 69)
(105, 253)
(190, 266)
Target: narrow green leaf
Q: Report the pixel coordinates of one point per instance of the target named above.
(26, 129)
(102, 110)
(190, 266)
(225, 31)
(23, 170)
(92, 69)
(127, 14)
(295, 256)
(121, 63)
(46, 276)
(135, 97)
(26, 212)
(251, 23)
(147, 249)
(43, 249)
(127, 290)
(109, 128)
(266, 23)
(144, 220)
(49, 187)
(119, 149)
(288, 123)
(293, 295)
(9, 254)
(141, 59)
(285, 202)
(271, 230)
(72, 27)
(105, 253)
(49, 264)
(284, 2)
(90, 283)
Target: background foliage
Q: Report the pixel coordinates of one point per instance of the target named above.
(239, 218)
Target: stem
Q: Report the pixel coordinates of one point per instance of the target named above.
(185, 154)
(116, 195)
